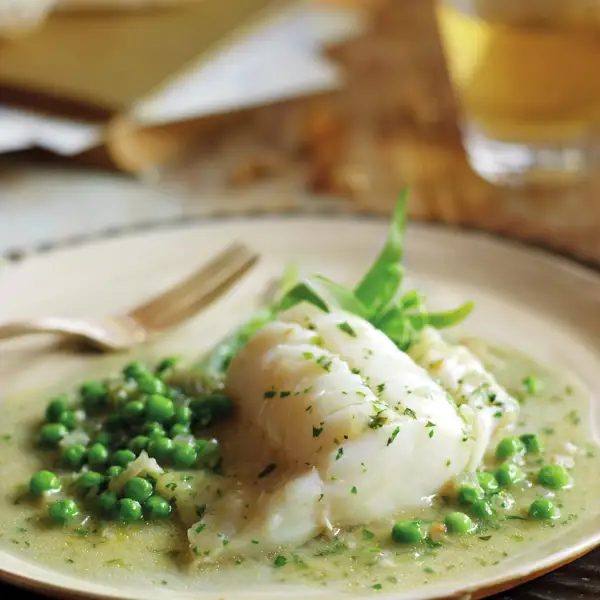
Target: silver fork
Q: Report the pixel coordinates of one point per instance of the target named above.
(120, 332)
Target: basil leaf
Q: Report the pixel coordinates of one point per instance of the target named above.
(381, 283)
(323, 293)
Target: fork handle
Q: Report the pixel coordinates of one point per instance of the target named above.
(72, 327)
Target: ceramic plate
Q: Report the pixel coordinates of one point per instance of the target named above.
(547, 304)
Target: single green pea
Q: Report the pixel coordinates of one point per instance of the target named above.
(149, 384)
(543, 509)
(509, 474)
(209, 453)
(133, 370)
(129, 510)
(487, 481)
(103, 437)
(482, 509)
(138, 444)
(179, 429)
(114, 471)
(509, 447)
(468, 494)
(160, 448)
(107, 501)
(532, 442)
(184, 455)
(68, 419)
(138, 489)
(56, 408)
(97, 455)
(43, 481)
(73, 456)
(63, 511)
(52, 433)
(122, 458)
(159, 408)
(183, 415)
(154, 430)
(89, 481)
(94, 394)
(132, 411)
(167, 364)
(156, 507)
(408, 532)
(458, 522)
(554, 477)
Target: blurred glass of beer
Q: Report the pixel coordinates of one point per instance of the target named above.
(526, 75)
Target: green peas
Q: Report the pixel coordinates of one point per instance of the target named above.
(104, 438)
(468, 494)
(183, 415)
(149, 384)
(68, 419)
(482, 509)
(94, 395)
(107, 501)
(122, 458)
(134, 370)
(209, 453)
(458, 522)
(408, 532)
(133, 410)
(554, 477)
(509, 447)
(184, 456)
(138, 489)
(114, 471)
(56, 408)
(63, 511)
(73, 456)
(159, 408)
(543, 509)
(138, 444)
(43, 481)
(89, 481)
(488, 483)
(129, 510)
(179, 429)
(154, 430)
(156, 507)
(509, 474)
(532, 443)
(52, 433)
(160, 448)
(167, 364)
(98, 455)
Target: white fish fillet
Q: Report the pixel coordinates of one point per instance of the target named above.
(363, 431)
(464, 376)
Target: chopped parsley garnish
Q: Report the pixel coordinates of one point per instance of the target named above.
(280, 561)
(431, 433)
(317, 340)
(267, 470)
(255, 542)
(532, 384)
(367, 534)
(339, 454)
(284, 394)
(377, 586)
(355, 371)
(430, 424)
(325, 363)
(196, 551)
(308, 355)
(7, 437)
(200, 510)
(361, 393)
(347, 328)
(308, 409)
(393, 436)
(200, 528)
(378, 420)
(321, 497)
(270, 394)
(574, 417)
(380, 388)
(410, 413)
(354, 490)
(317, 431)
